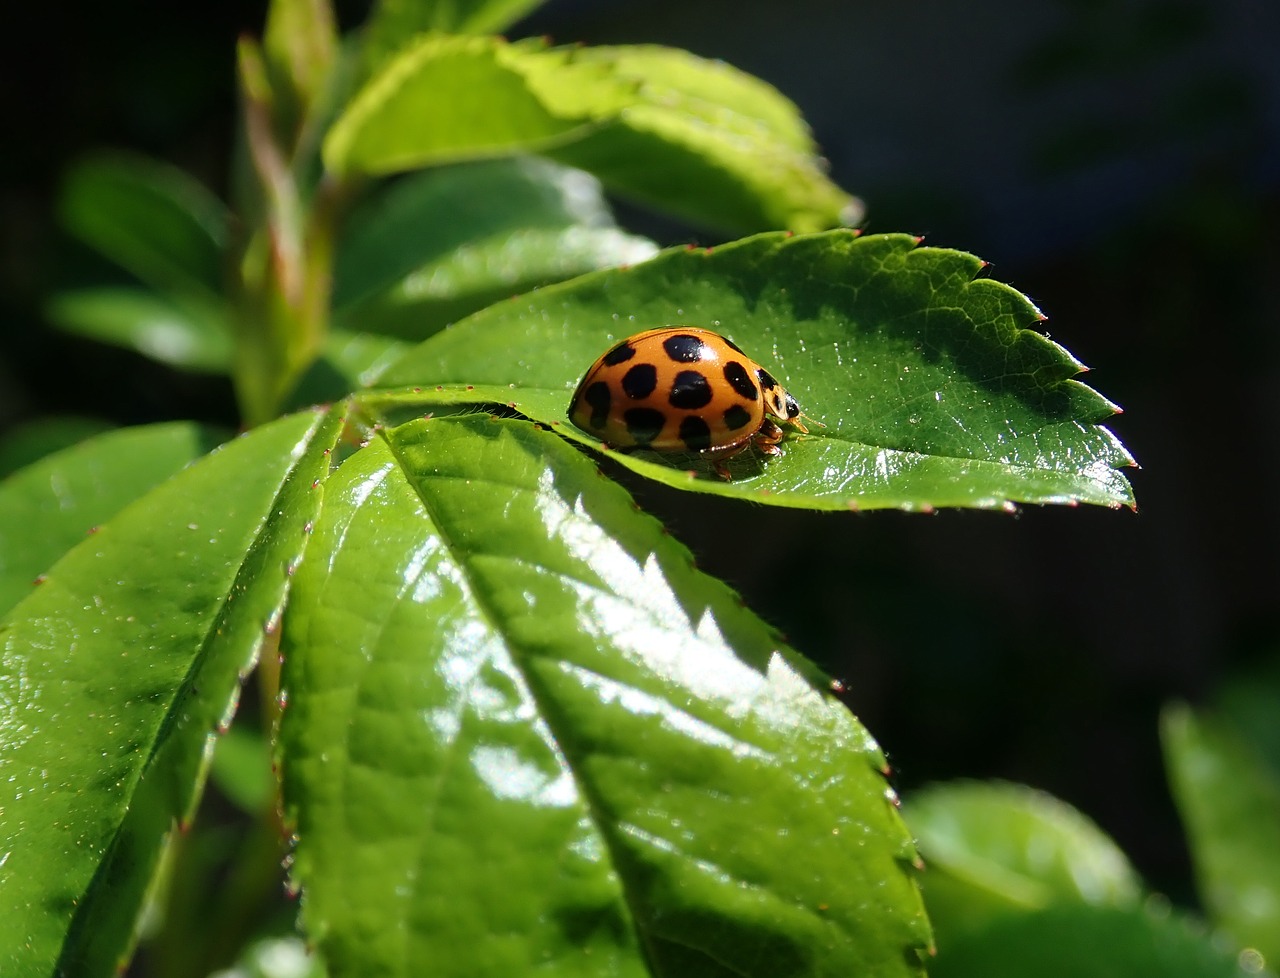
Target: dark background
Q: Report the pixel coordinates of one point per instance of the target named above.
(1117, 161)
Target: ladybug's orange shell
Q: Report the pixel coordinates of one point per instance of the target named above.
(676, 389)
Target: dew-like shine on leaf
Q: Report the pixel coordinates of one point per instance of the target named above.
(929, 384)
(115, 674)
(525, 733)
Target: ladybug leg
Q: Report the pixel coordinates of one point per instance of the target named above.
(767, 438)
(718, 458)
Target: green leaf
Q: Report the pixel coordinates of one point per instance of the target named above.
(181, 331)
(26, 443)
(394, 22)
(117, 672)
(1229, 800)
(241, 768)
(931, 390)
(445, 99)
(709, 143)
(693, 136)
(300, 43)
(524, 733)
(49, 507)
(993, 848)
(439, 245)
(1090, 942)
(151, 219)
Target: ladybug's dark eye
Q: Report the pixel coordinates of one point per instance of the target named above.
(793, 409)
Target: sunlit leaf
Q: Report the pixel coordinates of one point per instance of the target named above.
(52, 505)
(929, 386)
(525, 734)
(118, 671)
(695, 137)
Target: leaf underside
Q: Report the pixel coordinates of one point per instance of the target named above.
(685, 134)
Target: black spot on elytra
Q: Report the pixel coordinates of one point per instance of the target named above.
(766, 379)
(640, 380)
(690, 391)
(737, 417)
(621, 353)
(695, 433)
(683, 348)
(738, 378)
(643, 424)
(597, 395)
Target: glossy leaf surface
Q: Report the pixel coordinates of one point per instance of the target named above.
(931, 388)
(181, 331)
(438, 245)
(1229, 800)
(50, 506)
(525, 734)
(696, 137)
(994, 849)
(117, 672)
(150, 218)
(1090, 942)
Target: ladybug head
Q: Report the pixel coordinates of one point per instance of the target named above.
(778, 402)
(791, 411)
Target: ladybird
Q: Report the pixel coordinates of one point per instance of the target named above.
(683, 389)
